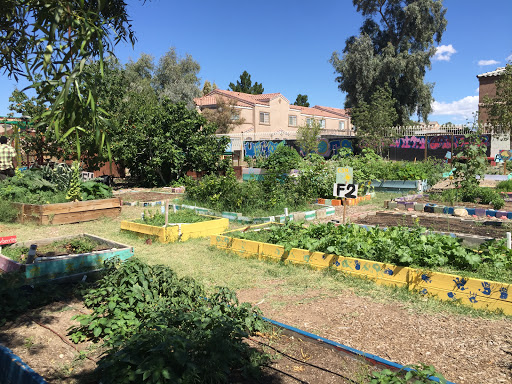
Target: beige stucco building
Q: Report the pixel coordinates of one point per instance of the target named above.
(271, 114)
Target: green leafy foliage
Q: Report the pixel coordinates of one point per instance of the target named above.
(74, 192)
(181, 216)
(245, 85)
(394, 47)
(419, 374)
(8, 213)
(395, 245)
(159, 328)
(45, 186)
(93, 190)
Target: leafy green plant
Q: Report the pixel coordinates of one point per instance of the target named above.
(60, 175)
(74, 191)
(8, 213)
(160, 328)
(419, 374)
(92, 190)
(395, 245)
(181, 216)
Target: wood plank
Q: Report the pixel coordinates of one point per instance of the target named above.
(78, 206)
(76, 217)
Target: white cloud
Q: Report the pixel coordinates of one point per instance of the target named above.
(477, 91)
(509, 58)
(461, 109)
(488, 62)
(444, 52)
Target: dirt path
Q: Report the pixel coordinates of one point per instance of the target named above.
(466, 350)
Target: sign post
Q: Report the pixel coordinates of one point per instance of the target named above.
(345, 187)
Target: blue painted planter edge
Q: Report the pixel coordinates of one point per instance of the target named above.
(348, 349)
(11, 363)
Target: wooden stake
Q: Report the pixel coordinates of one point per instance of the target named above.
(344, 209)
(166, 213)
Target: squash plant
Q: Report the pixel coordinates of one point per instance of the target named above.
(160, 328)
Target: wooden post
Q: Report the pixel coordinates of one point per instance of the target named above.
(344, 209)
(166, 213)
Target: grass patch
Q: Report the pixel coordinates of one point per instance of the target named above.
(213, 267)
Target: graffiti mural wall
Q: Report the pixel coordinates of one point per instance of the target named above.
(411, 147)
(326, 147)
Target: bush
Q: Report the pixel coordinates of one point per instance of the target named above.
(160, 328)
(8, 213)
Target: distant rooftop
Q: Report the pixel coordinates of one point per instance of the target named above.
(497, 72)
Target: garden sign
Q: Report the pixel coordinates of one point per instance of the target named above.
(345, 187)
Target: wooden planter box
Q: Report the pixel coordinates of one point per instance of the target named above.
(175, 232)
(67, 265)
(66, 213)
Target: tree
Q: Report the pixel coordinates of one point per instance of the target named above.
(161, 142)
(41, 141)
(396, 49)
(244, 85)
(373, 120)
(225, 115)
(499, 108)
(302, 100)
(207, 88)
(307, 136)
(51, 39)
(177, 78)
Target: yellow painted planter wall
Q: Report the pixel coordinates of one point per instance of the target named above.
(172, 233)
(473, 292)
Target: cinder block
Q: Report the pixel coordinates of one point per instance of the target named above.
(480, 212)
(299, 216)
(330, 211)
(392, 205)
(321, 213)
(419, 207)
(401, 205)
(336, 202)
(409, 205)
(501, 214)
(328, 202)
(429, 208)
(471, 211)
(449, 210)
(321, 201)
(386, 204)
(439, 209)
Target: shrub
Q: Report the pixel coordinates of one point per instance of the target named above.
(8, 213)
(160, 328)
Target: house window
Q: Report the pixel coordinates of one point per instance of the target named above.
(322, 124)
(309, 122)
(292, 121)
(264, 118)
(235, 116)
(341, 125)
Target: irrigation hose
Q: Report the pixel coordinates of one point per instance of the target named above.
(302, 362)
(62, 338)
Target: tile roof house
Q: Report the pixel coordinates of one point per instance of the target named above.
(272, 112)
(487, 87)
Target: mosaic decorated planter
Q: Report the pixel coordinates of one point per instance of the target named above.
(66, 265)
(476, 293)
(175, 232)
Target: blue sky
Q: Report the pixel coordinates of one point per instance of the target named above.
(286, 45)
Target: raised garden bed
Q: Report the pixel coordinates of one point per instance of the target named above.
(67, 213)
(201, 226)
(53, 262)
(485, 228)
(474, 292)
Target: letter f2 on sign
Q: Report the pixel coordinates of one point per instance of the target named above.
(348, 191)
